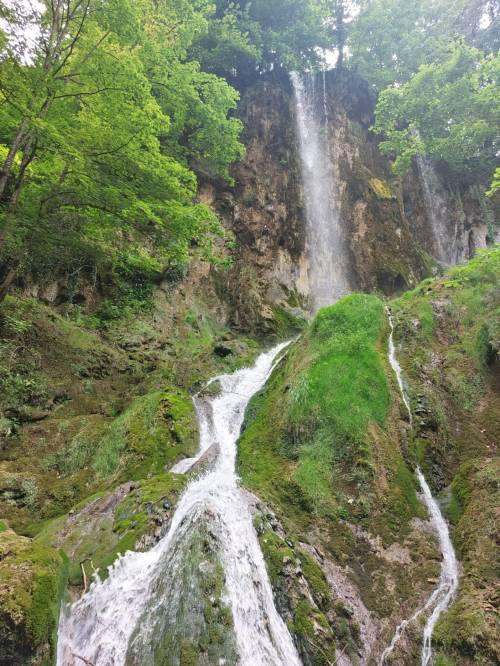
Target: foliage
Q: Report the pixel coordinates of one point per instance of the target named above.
(102, 121)
(391, 39)
(245, 37)
(495, 185)
(330, 400)
(449, 110)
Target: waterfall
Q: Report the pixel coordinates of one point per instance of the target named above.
(446, 242)
(448, 580)
(328, 279)
(444, 594)
(117, 621)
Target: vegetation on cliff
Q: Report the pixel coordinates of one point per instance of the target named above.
(103, 118)
(320, 446)
(32, 582)
(449, 334)
(324, 446)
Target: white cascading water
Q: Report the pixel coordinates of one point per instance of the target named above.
(448, 580)
(326, 246)
(437, 212)
(444, 594)
(101, 626)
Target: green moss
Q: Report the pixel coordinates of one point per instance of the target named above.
(381, 188)
(32, 580)
(190, 655)
(275, 550)
(319, 648)
(285, 324)
(155, 431)
(466, 629)
(316, 409)
(316, 579)
(112, 532)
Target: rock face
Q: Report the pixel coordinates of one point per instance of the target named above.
(386, 220)
(31, 585)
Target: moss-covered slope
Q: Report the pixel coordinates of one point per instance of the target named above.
(32, 581)
(323, 446)
(92, 417)
(449, 340)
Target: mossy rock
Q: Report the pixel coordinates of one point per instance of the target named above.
(156, 431)
(32, 580)
(132, 516)
(381, 188)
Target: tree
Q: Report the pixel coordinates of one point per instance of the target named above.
(339, 15)
(100, 124)
(449, 110)
(246, 37)
(390, 39)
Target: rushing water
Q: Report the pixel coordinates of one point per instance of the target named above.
(115, 621)
(327, 254)
(448, 580)
(445, 592)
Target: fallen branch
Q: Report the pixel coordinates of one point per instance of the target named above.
(84, 574)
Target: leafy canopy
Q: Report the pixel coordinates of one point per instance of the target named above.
(250, 36)
(102, 122)
(449, 110)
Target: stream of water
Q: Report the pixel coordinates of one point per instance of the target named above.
(445, 238)
(328, 280)
(443, 595)
(113, 624)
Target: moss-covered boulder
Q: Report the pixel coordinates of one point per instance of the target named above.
(156, 431)
(32, 579)
(133, 516)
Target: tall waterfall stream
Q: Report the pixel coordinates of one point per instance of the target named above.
(327, 253)
(114, 622)
(446, 248)
(445, 592)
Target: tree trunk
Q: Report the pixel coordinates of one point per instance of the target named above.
(7, 282)
(11, 156)
(28, 156)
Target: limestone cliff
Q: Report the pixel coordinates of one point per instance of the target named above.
(386, 220)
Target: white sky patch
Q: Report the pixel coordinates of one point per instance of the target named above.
(23, 35)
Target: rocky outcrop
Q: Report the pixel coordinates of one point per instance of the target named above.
(32, 581)
(390, 237)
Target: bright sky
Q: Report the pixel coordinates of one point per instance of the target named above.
(29, 33)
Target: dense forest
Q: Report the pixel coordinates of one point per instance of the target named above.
(183, 183)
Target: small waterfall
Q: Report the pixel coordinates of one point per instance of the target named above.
(119, 619)
(326, 245)
(446, 238)
(444, 594)
(448, 580)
